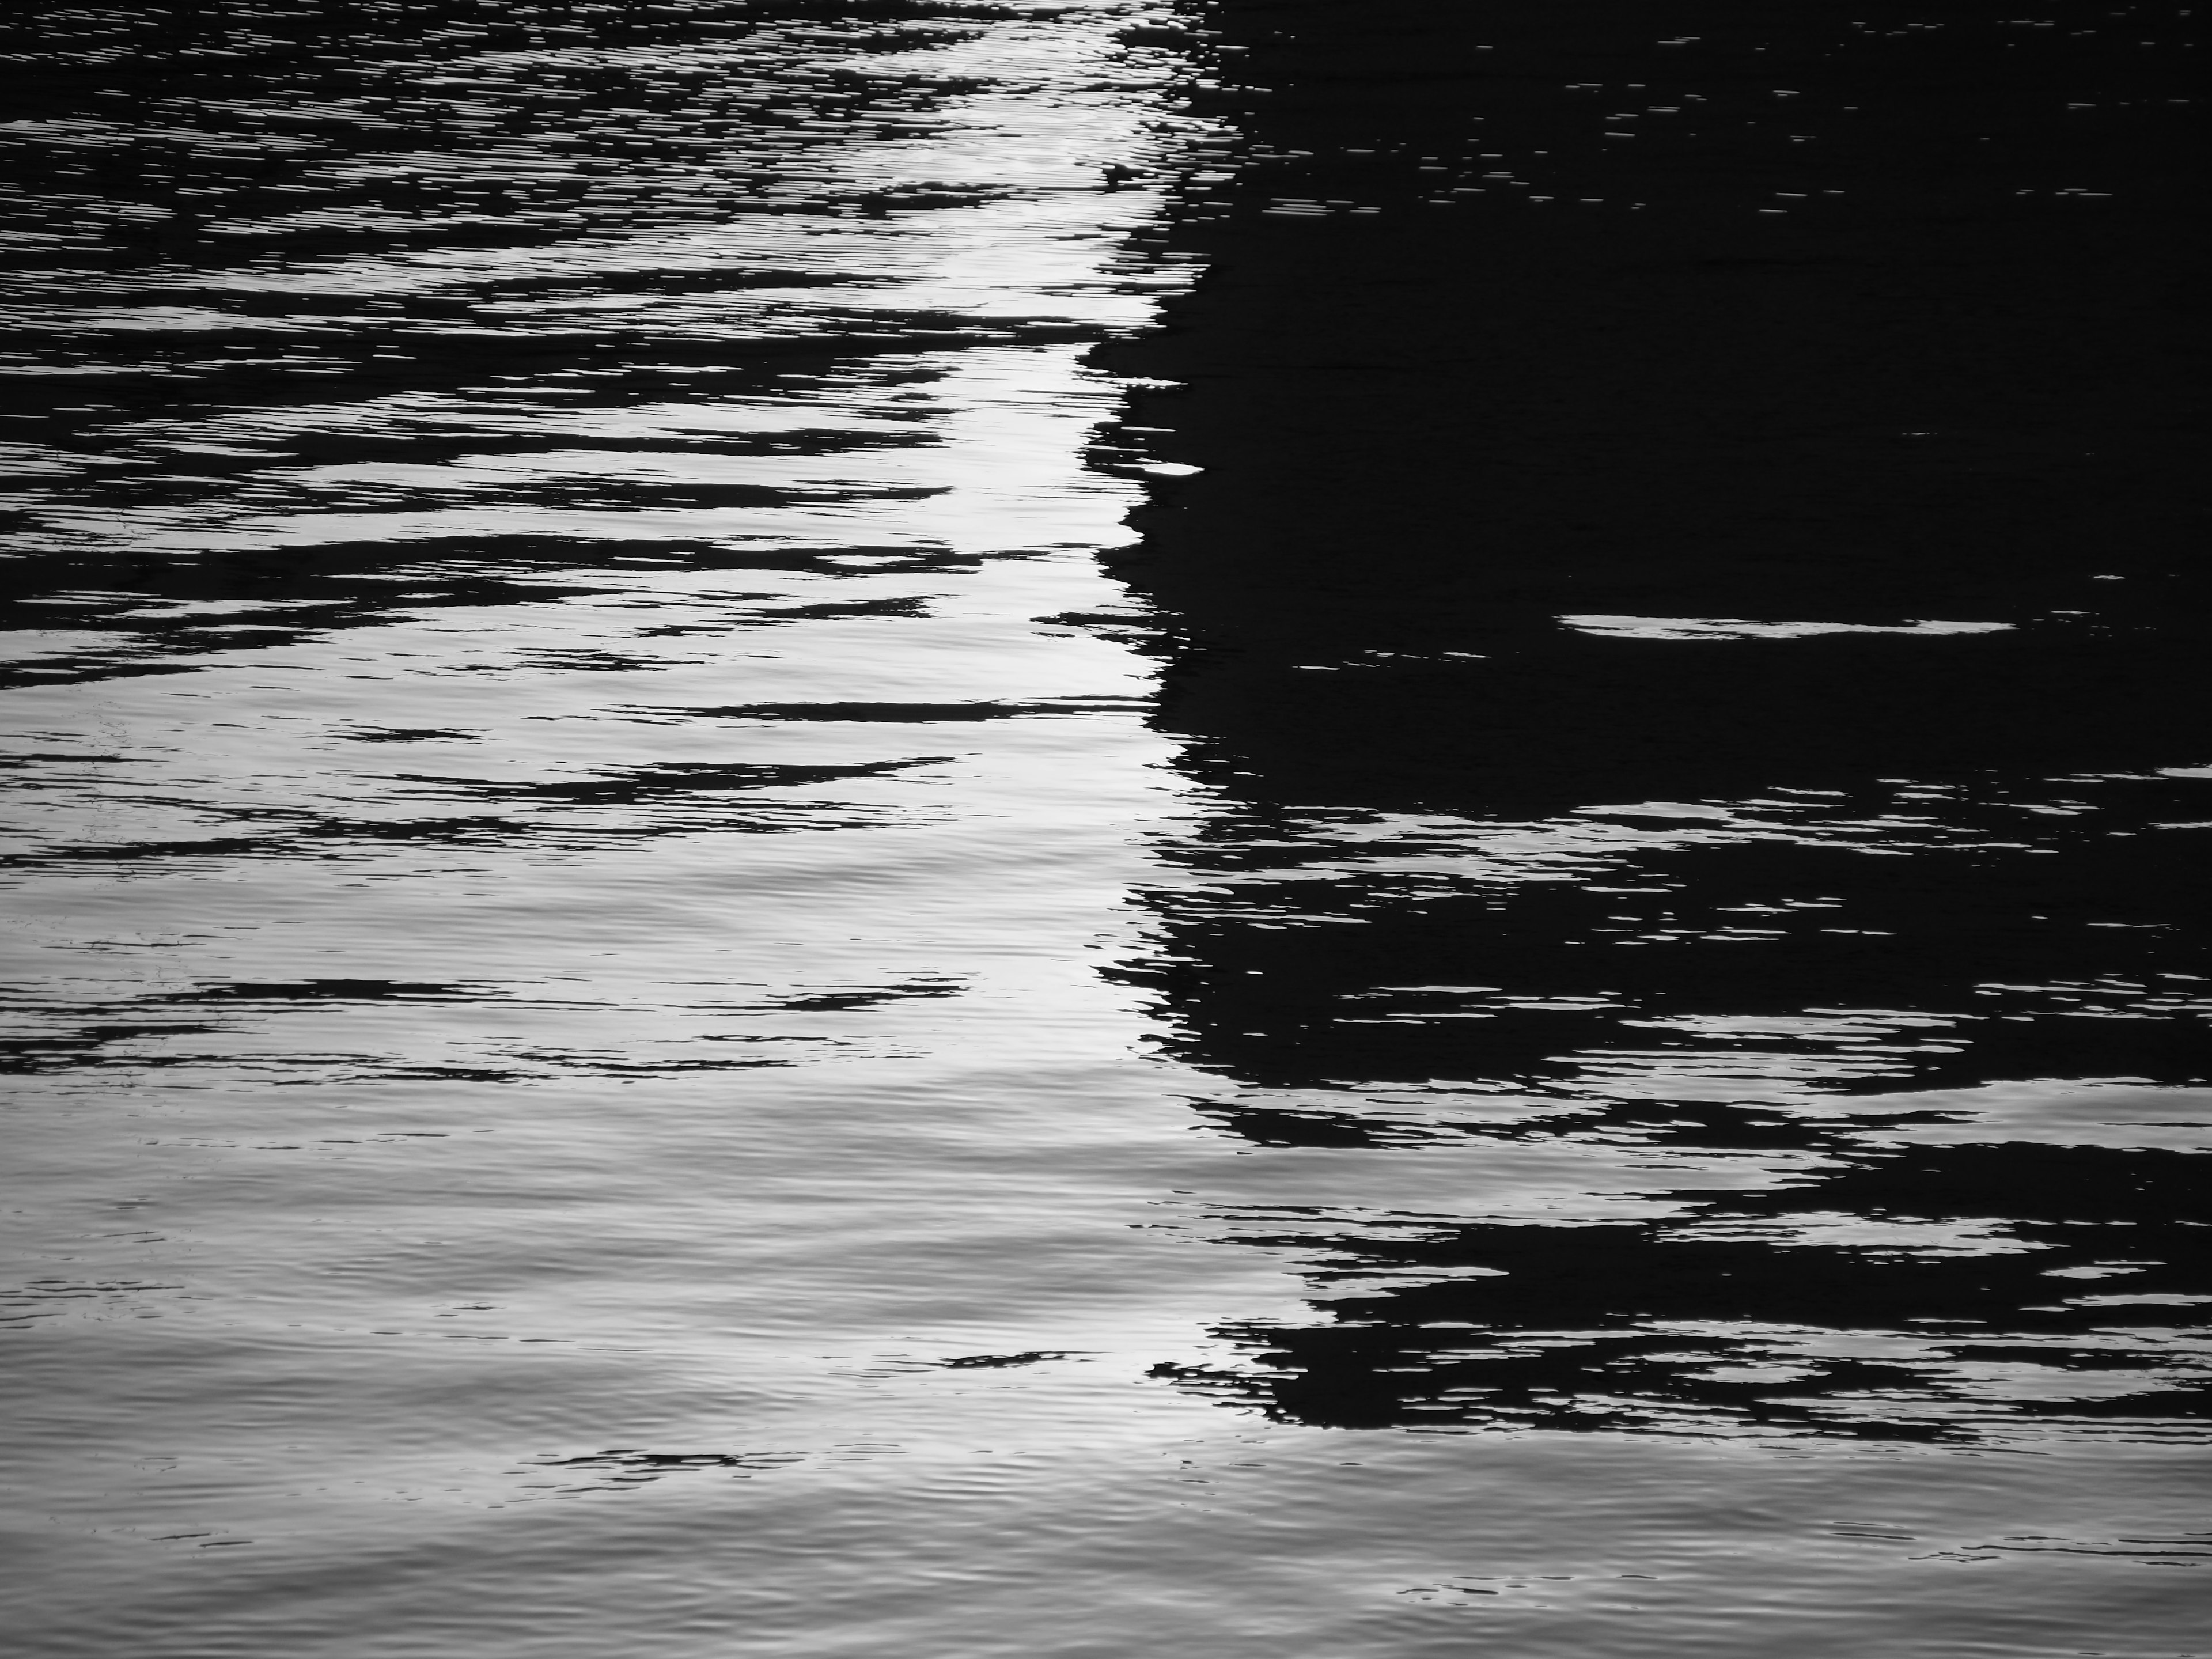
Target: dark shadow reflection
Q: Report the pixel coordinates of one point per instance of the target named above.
(1685, 605)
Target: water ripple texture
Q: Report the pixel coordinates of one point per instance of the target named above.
(721, 940)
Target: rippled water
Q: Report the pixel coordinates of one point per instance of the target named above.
(668, 1002)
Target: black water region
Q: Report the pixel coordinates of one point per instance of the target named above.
(1678, 417)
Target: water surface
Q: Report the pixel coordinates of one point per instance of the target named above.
(784, 881)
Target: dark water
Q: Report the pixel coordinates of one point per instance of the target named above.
(844, 829)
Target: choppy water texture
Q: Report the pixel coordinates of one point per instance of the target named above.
(744, 925)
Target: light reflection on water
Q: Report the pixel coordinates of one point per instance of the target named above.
(601, 904)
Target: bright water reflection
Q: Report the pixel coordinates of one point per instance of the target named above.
(577, 767)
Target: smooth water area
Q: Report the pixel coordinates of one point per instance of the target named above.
(638, 1028)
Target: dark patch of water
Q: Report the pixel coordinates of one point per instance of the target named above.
(1696, 612)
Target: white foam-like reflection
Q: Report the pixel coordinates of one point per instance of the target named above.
(1716, 627)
